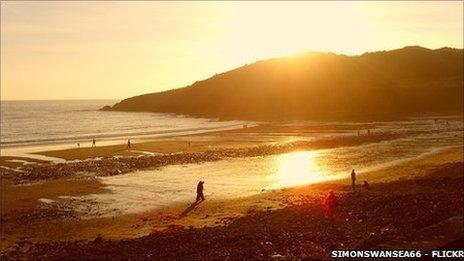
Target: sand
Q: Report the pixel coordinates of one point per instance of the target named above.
(25, 219)
(144, 148)
(36, 224)
(263, 134)
(109, 166)
(15, 162)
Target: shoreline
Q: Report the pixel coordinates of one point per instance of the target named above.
(116, 138)
(33, 150)
(258, 129)
(181, 218)
(262, 133)
(111, 165)
(33, 193)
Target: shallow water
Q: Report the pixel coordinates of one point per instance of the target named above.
(145, 190)
(29, 123)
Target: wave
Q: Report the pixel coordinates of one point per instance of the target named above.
(107, 136)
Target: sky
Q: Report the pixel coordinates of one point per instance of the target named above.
(115, 50)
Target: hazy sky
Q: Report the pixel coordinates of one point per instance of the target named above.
(99, 50)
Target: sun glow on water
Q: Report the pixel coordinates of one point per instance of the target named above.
(298, 168)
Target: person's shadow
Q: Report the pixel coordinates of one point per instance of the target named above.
(190, 208)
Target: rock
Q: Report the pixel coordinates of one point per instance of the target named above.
(106, 108)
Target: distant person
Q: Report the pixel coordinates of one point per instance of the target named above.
(359, 134)
(353, 179)
(78, 145)
(366, 185)
(128, 144)
(200, 191)
(368, 132)
(93, 143)
(331, 205)
(189, 143)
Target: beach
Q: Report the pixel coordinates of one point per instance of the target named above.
(299, 131)
(88, 203)
(425, 191)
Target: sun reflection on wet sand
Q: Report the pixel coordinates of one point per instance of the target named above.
(299, 168)
(241, 177)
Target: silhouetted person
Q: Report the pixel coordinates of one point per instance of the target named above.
(200, 191)
(359, 133)
(128, 144)
(353, 178)
(366, 185)
(368, 132)
(78, 145)
(93, 143)
(331, 205)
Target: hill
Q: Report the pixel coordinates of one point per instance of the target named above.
(412, 81)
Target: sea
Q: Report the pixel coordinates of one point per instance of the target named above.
(29, 123)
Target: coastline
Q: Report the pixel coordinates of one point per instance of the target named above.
(214, 138)
(110, 164)
(181, 219)
(34, 151)
(191, 131)
(40, 194)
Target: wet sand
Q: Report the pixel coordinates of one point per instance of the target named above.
(15, 162)
(238, 138)
(110, 165)
(38, 223)
(146, 147)
(288, 222)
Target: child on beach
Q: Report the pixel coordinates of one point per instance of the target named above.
(366, 185)
(331, 206)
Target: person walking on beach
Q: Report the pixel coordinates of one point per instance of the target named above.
(331, 206)
(200, 195)
(128, 144)
(93, 143)
(353, 179)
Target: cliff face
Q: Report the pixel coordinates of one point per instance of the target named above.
(412, 81)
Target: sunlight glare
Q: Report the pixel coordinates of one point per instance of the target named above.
(298, 168)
